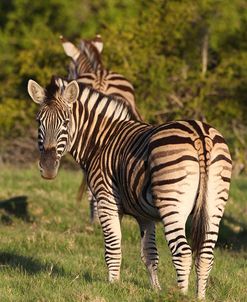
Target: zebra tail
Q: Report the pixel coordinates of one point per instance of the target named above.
(81, 190)
(200, 215)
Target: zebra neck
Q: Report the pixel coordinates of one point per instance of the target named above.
(88, 68)
(92, 59)
(95, 120)
(97, 66)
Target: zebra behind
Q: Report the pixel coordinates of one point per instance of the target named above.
(152, 173)
(87, 67)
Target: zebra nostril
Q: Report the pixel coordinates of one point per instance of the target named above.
(40, 167)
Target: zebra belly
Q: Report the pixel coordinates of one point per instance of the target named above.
(137, 199)
(141, 208)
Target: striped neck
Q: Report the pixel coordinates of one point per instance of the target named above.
(95, 119)
(89, 60)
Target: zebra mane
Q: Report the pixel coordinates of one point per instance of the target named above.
(117, 107)
(54, 92)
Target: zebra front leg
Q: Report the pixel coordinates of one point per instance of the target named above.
(149, 253)
(112, 236)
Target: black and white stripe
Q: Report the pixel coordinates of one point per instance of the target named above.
(153, 173)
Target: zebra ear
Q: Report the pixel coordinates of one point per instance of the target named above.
(98, 43)
(70, 49)
(36, 92)
(71, 92)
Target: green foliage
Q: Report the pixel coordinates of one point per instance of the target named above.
(50, 252)
(15, 121)
(158, 45)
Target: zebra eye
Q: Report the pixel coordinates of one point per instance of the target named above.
(65, 123)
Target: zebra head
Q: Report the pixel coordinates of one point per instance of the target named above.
(86, 58)
(55, 128)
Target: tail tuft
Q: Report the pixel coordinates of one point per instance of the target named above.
(81, 190)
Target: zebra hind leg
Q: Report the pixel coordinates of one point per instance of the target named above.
(205, 257)
(203, 263)
(149, 253)
(181, 254)
(174, 219)
(219, 175)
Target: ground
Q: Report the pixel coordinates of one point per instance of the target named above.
(50, 252)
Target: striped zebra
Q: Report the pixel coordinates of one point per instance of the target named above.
(86, 67)
(86, 58)
(152, 173)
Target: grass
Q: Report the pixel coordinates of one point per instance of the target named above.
(50, 252)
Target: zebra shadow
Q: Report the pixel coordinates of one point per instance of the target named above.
(15, 207)
(232, 234)
(28, 265)
(91, 277)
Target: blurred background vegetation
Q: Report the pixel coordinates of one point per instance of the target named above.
(186, 59)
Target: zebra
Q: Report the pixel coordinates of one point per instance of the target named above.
(86, 58)
(153, 173)
(86, 67)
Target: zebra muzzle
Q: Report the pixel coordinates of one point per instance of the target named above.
(49, 164)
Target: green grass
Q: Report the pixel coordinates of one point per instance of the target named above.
(50, 252)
